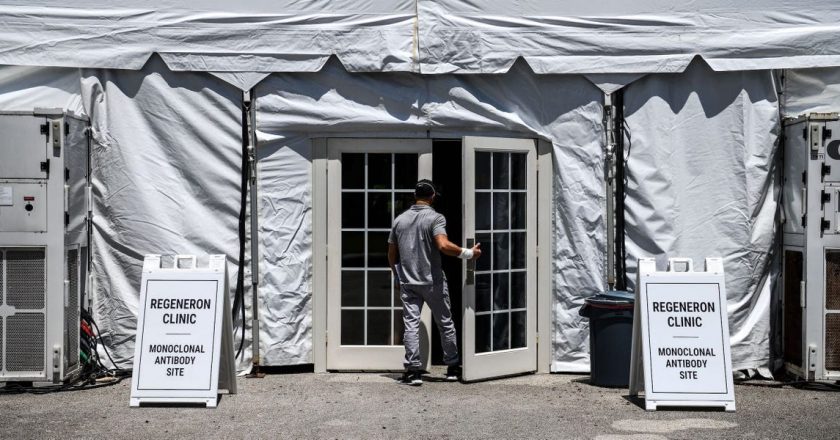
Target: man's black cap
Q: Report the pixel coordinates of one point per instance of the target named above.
(425, 189)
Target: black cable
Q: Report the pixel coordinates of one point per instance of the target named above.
(12, 388)
(620, 191)
(799, 384)
(90, 319)
(239, 296)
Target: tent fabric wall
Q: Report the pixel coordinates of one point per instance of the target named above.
(22, 88)
(166, 163)
(811, 90)
(294, 108)
(702, 182)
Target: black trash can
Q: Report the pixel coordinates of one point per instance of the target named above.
(610, 337)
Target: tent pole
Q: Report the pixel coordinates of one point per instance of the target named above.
(250, 116)
(609, 177)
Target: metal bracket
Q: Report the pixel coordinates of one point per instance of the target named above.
(812, 358)
(56, 364)
(815, 136)
(56, 131)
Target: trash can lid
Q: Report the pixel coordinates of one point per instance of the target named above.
(612, 298)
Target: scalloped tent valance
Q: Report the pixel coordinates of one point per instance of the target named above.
(422, 36)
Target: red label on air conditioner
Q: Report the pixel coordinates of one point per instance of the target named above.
(28, 198)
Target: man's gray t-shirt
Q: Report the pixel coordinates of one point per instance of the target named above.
(413, 232)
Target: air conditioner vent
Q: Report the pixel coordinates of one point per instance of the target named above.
(71, 311)
(26, 279)
(25, 344)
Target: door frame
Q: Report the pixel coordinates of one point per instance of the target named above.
(545, 209)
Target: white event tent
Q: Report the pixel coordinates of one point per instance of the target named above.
(703, 85)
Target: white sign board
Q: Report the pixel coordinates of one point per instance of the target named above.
(184, 333)
(681, 350)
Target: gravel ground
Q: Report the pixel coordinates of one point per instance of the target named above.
(371, 405)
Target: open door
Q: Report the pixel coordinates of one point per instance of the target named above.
(499, 292)
(370, 182)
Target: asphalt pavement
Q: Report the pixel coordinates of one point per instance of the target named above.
(374, 405)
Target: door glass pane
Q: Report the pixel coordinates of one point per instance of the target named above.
(379, 288)
(518, 171)
(519, 329)
(518, 292)
(501, 213)
(379, 327)
(377, 249)
(379, 171)
(379, 210)
(405, 167)
(502, 271)
(352, 327)
(501, 291)
(371, 309)
(482, 170)
(483, 292)
(501, 170)
(483, 212)
(483, 334)
(501, 331)
(518, 210)
(352, 170)
(352, 249)
(501, 250)
(517, 250)
(352, 216)
(352, 288)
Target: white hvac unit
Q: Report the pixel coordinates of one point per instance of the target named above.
(43, 243)
(811, 257)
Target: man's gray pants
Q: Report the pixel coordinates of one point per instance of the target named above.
(437, 297)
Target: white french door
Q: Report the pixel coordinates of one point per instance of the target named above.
(499, 292)
(369, 183)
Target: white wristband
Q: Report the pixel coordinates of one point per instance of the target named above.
(466, 254)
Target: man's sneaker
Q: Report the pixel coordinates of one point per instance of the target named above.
(453, 373)
(414, 378)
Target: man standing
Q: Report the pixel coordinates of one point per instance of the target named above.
(417, 239)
